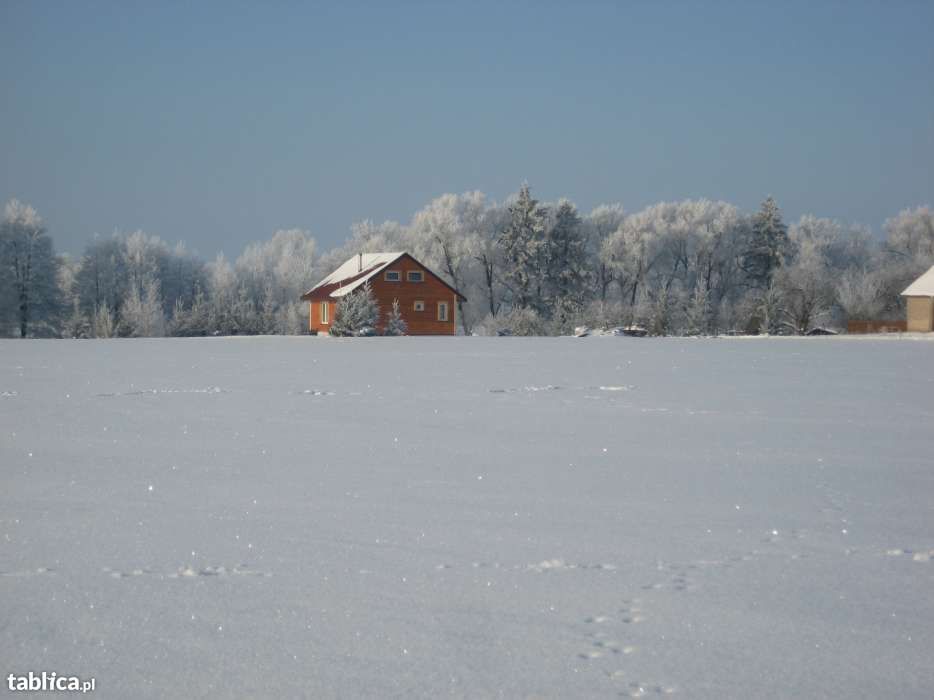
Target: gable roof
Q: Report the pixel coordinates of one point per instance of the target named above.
(356, 271)
(921, 287)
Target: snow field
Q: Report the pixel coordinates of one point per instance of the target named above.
(476, 517)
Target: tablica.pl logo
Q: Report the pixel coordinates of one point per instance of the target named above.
(49, 681)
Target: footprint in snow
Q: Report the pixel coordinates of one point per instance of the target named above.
(513, 390)
(26, 573)
(924, 555)
(150, 392)
(188, 572)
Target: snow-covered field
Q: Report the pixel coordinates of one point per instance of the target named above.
(289, 517)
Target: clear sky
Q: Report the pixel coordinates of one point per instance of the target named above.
(218, 123)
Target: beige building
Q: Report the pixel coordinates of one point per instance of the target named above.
(920, 298)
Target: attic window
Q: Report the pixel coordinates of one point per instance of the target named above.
(393, 276)
(419, 305)
(416, 276)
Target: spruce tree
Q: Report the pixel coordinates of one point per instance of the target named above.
(768, 244)
(566, 274)
(395, 324)
(522, 242)
(356, 311)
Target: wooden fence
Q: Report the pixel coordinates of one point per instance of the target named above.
(876, 326)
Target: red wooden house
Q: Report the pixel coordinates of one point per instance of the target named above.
(427, 303)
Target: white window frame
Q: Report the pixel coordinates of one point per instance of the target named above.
(421, 275)
(397, 273)
(419, 305)
(444, 316)
(325, 312)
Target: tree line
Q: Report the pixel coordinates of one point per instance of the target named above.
(693, 267)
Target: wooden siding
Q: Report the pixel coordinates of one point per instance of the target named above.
(431, 291)
(920, 314)
(314, 316)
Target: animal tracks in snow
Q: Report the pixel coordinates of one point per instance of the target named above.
(28, 573)
(545, 566)
(526, 389)
(188, 572)
(922, 555)
(555, 387)
(604, 649)
(150, 392)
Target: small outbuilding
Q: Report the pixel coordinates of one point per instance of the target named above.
(427, 303)
(920, 302)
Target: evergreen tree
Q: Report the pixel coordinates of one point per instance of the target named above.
(768, 244)
(523, 245)
(566, 263)
(356, 311)
(395, 324)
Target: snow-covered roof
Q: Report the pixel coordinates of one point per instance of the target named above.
(921, 287)
(355, 272)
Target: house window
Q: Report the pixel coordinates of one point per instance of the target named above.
(393, 276)
(419, 305)
(324, 312)
(416, 276)
(442, 311)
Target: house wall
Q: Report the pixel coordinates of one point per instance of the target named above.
(431, 291)
(920, 314)
(314, 316)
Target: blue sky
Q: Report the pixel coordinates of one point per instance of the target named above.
(218, 123)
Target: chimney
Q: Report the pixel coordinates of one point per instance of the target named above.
(359, 262)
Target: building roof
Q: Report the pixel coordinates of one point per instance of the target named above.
(355, 272)
(921, 287)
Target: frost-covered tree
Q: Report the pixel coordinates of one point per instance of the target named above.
(566, 278)
(103, 324)
(74, 323)
(489, 256)
(806, 291)
(102, 279)
(355, 311)
(142, 315)
(273, 275)
(523, 248)
(599, 225)
(395, 324)
(676, 263)
(768, 244)
(515, 321)
(910, 235)
(28, 271)
(860, 292)
(447, 235)
(193, 320)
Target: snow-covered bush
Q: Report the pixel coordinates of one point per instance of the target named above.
(395, 324)
(513, 322)
(356, 311)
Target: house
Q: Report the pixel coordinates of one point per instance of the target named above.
(427, 303)
(920, 298)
